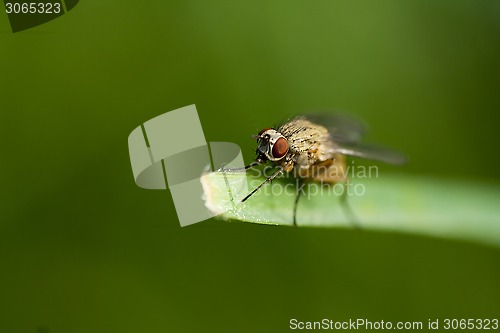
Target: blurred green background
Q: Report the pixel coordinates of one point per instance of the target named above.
(82, 249)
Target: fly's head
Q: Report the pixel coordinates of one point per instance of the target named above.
(272, 145)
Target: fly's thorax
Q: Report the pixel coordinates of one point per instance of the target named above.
(272, 144)
(303, 135)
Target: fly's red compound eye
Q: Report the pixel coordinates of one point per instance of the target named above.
(280, 148)
(265, 129)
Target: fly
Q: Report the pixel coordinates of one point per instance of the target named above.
(315, 147)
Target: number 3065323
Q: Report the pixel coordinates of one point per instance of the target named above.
(33, 8)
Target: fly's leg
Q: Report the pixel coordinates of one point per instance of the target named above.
(301, 184)
(348, 212)
(244, 169)
(280, 170)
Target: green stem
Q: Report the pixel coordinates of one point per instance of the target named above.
(421, 205)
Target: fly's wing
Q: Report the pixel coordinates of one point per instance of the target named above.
(346, 133)
(374, 153)
(342, 128)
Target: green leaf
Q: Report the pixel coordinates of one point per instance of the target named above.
(403, 203)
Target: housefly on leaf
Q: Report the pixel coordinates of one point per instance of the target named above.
(314, 148)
